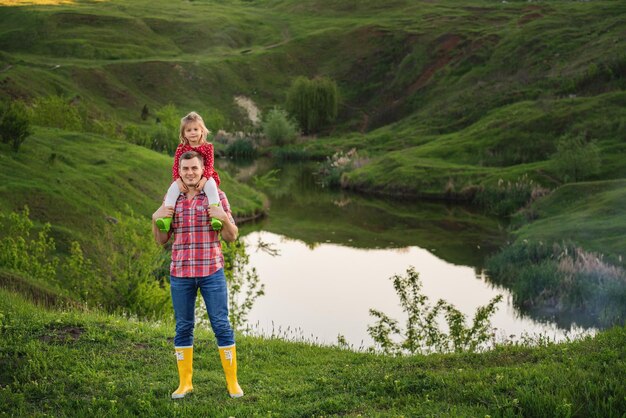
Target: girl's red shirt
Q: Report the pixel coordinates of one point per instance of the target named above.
(206, 149)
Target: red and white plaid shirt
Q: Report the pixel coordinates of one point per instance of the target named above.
(196, 251)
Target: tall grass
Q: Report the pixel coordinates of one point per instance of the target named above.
(562, 279)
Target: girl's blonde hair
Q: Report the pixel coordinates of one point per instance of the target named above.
(192, 117)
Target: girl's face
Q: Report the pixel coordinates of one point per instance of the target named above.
(193, 133)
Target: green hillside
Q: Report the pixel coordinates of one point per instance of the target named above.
(78, 182)
(440, 99)
(589, 213)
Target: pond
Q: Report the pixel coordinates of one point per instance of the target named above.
(326, 258)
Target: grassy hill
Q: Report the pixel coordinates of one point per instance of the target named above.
(68, 362)
(77, 182)
(587, 212)
(441, 100)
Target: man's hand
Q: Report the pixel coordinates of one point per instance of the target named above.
(201, 184)
(182, 186)
(218, 212)
(163, 212)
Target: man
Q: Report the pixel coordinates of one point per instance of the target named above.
(198, 263)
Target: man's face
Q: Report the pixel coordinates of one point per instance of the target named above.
(190, 171)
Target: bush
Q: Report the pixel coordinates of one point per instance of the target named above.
(279, 128)
(506, 197)
(134, 280)
(136, 135)
(56, 112)
(244, 285)
(135, 268)
(241, 148)
(331, 170)
(576, 158)
(81, 277)
(20, 251)
(163, 140)
(422, 333)
(14, 124)
(214, 120)
(313, 102)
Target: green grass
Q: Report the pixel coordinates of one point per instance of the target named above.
(589, 214)
(85, 363)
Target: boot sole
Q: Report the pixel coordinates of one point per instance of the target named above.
(181, 395)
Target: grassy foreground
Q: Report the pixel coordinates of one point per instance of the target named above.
(65, 362)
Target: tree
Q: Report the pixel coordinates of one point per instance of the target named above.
(313, 102)
(14, 124)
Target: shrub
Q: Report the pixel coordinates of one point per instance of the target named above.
(576, 158)
(14, 124)
(241, 148)
(163, 140)
(331, 170)
(56, 112)
(136, 135)
(422, 333)
(20, 251)
(135, 268)
(279, 128)
(81, 277)
(244, 285)
(506, 197)
(313, 102)
(214, 120)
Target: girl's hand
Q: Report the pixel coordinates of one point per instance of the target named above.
(201, 183)
(182, 186)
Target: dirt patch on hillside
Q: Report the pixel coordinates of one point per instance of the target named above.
(445, 44)
(528, 18)
(61, 335)
(253, 112)
(105, 85)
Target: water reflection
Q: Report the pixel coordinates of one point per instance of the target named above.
(328, 290)
(337, 251)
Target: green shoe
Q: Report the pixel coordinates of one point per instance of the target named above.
(216, 224)
(164, 224)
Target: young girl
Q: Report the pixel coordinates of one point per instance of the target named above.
(193, 134)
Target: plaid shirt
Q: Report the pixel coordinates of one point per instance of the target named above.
(196, 251)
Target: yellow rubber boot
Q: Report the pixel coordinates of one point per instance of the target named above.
(228, 355)
(184, 359)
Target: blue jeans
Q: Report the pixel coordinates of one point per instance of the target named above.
(215, 294)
